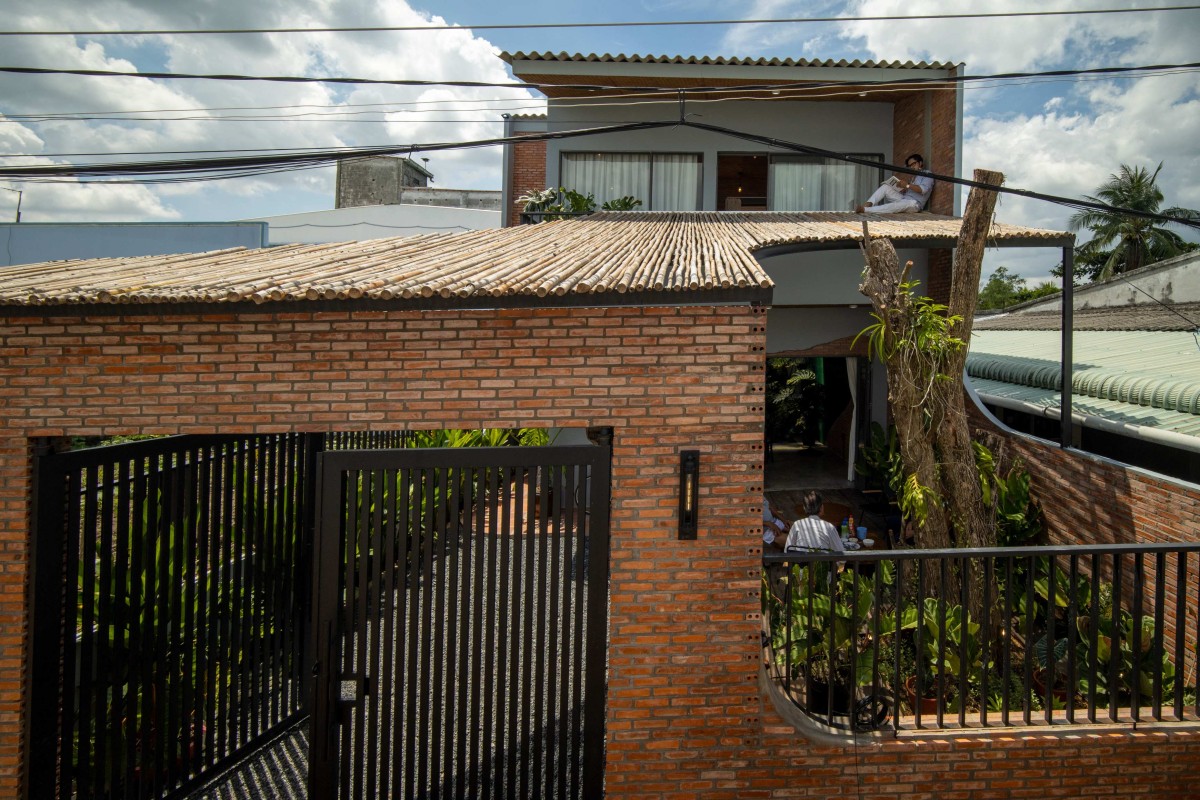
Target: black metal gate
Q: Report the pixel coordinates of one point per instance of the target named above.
(168, 578)
(461, 623)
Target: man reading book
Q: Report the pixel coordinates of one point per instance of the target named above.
(901, 194)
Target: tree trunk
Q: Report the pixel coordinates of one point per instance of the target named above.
(925, 386)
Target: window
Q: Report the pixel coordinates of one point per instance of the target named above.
(662, 181)
(802, 183)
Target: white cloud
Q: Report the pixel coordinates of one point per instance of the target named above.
(1065, 145)
(453, 54)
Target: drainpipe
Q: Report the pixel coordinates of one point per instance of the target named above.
(1068, 357)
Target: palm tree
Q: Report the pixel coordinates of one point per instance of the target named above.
(1120, 242)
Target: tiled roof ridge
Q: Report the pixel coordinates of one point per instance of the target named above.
(763, 61)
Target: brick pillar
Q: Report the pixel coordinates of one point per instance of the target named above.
(528, 174)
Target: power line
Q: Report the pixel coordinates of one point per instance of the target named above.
(791, 85)
(217, 168)
(584, 25)
(408, 116)
(246, 166)
(625, 100)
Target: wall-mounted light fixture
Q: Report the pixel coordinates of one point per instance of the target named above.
(689, 492)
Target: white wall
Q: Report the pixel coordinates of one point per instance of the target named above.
(376, 222)
(829, 277)
(844, 127)
(1176, 280)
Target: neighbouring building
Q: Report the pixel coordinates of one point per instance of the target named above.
(377, 222)
(1136, 378)
(376, 180)
(391, 180)
(34, 242)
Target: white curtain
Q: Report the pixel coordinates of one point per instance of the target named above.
(819, 185)
(607, 176)
(676, 183)
(852, 450)
(796, 185)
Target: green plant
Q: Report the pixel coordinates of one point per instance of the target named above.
(828, 619)
(626, 203)
(1115, 647)
(795, 401)
(879, 460)
(952, 644)
(557, 203)
(1018, 516)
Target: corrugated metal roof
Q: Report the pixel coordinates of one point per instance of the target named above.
(1111, 410)
(1146, 378)
(720, 60)
(1141, 317)
(615, 252)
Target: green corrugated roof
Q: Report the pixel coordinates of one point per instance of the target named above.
(1141, 378)
(1112, 410)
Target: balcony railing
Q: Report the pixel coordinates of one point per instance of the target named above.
(984, 638)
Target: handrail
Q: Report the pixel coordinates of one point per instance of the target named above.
(984, 637)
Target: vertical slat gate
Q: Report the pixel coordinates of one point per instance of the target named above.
(460, 624)
(165, 597)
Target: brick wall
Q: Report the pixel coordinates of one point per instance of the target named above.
(685, 718)
(528, 174)
(935, 139)
(1091, 500)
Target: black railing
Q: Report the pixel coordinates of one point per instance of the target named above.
(170, 589)
(985, 637)
(534, 217)
(368, 440)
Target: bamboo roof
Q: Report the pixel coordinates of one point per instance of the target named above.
(602, 254)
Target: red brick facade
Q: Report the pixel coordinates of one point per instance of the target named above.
(528, 174)
(925, 123)
(685, 717)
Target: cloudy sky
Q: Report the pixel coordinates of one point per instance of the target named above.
(1063, 137)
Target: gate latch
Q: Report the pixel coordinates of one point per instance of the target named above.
(352, 688)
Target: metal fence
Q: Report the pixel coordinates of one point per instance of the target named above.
(171, 581)
(985, 637)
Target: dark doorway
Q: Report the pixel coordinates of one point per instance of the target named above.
(742, 181)
(809, 414)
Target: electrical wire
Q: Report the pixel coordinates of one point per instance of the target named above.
(585, 25)
(1195, 327)
(623, 102)
(246, 166)
(806, 86)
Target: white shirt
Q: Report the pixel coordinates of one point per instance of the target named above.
(813, 533)
(772, 525)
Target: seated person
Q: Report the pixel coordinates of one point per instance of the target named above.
(813, 533)
(907, 196)
(773, 527)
